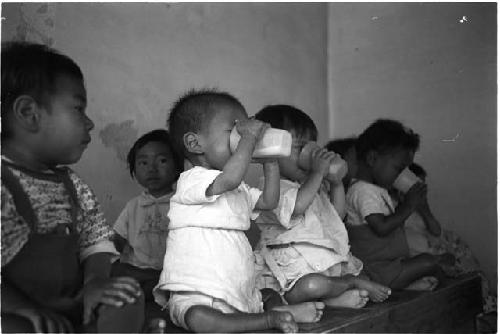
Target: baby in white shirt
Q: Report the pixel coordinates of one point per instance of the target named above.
(209, 270)
(307, 251)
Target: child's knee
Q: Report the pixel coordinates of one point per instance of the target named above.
(126, 319)
(312, 285)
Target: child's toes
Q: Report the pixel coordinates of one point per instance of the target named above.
(319, 315)
(363, 293)
(319, 305)
(362, 302)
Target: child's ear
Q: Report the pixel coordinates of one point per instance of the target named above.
(192, 143)
(27, 112)
(371, 157)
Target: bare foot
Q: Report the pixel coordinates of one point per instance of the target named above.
(427, 283)
(283, 321)
(377, 292)
(351, 298)
(304, 312)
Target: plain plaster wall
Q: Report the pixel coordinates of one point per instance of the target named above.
(138, 58)
(416, 62)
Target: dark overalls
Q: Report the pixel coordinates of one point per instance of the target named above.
(48, 270)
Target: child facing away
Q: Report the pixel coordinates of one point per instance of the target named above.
(422, 239)
(308, 250)
(375, 223)
(142, 227)
(346, 148)
(209, 269)
(56, 247)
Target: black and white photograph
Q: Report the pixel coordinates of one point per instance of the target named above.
(261, 167)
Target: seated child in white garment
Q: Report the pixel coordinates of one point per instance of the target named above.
(142, 226)
(209, 269)
(308, 251)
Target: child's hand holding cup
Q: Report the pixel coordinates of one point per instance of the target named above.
(405, 180)
(272, 143)
(337, 169)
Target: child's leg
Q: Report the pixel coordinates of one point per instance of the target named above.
(415, 268)
(147, 278)
(303, 312)
(351, 299)
(321, 287)
(126, 319)
(203, 318)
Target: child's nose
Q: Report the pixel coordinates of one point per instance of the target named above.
(153, 167)
(89, 123)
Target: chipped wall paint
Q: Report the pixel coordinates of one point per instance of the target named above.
(433, 67)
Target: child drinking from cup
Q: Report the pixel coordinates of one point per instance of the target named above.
(142, 227)
(208, 270)
(423, 239)
(308, 250)
(375, 223)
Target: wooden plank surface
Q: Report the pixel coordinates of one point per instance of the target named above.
(449, 309)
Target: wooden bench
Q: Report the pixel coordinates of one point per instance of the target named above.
(451, 308)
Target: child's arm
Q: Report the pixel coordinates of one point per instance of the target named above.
(383, 225)
(270, 196)
(337, 197)
(319, 168)
(236, 167)
(431, 222)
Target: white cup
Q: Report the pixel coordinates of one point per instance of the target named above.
(275, 143)
(405, 180)
(338, 167)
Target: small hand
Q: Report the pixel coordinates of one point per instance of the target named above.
(114, 291)
(251, 127)
(336, 178)
(46, 321)
(321, 160)
(416, 196)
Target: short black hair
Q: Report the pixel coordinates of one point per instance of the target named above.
(290, 118)
(31, 69)
(417, 170)
(384, 136)
(159, 135)
(341, 145)
(193, 111)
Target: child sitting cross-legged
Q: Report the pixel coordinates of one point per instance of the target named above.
(209, 270)
(425, 235)
(142, 227)
(307, 251)
(375, 222)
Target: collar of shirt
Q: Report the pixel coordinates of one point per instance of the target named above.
(147, 199)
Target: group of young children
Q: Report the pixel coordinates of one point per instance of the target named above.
(324, 241)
